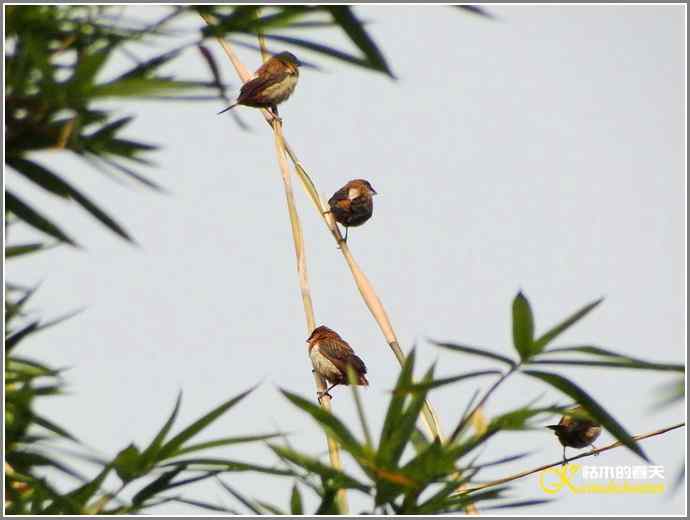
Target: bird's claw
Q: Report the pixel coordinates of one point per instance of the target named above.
(321, 395)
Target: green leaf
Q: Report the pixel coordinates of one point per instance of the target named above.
(217, 464)
(35, 219)
(416, 387)
(13, 339)
(612, 359)
(51, 426)
(329, 422)
(591, 406)
(322, 49)
(83, 494)
(339, 479)
(550, 335)
(475, 9)
(296, 507)
(391, 451)
(523, 327)
(465, 349)
(170, 448)
(24, 249)
(395, 411)
(249, 504)
(225, 442)
(150, 454)
(160, 484)
(344, 17)
(204, 505)
(127, 463)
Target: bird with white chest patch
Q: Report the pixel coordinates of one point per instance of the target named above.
(331, 355)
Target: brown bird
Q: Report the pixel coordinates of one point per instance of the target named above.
(576, 429)
(353, 204)
(331, 355)
(272, 84)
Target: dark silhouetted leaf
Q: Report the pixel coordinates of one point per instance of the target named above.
(344, 17)
(225, 442)
(593, 408)
(54, 184)
(249, 504)
(416, 387)
(160, 484)
(13, 339)
(476, 351)
(328, 421)
(35, 219)
(541, 342)
(339, 478)
(611, 358)
(170, 448)
(150, 454)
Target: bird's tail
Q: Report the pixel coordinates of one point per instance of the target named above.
(226, 109)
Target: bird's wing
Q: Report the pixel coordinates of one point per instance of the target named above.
(341, 355)
(361, 206)
(253, 88)
(339, 197)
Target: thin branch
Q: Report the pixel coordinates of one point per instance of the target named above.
(243, 73)
(365, 288)
(560, 462)
(481, 403)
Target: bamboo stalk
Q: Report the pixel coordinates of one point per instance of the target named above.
(298, 240)
(364, 286)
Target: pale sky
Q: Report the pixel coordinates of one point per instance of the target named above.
(541, 151)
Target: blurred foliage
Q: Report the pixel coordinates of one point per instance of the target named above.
(57, 76)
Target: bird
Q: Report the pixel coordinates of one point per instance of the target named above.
(272, 84)
(331, 355)
(353, 204)
(576, 429)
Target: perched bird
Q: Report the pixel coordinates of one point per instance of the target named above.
(272, 84)
(331, 355)
(576, 429)
(353, 204)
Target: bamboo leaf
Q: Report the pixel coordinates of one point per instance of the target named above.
(426, 386)
(465, 349)
(541, 342)
(54, 184)
(329, 422)
(225, 442)
(523, 327)
(338, 478)
(160, 484)
(171, 447)
(395, 412)
(24, 249)
(296, 507)
(611, 358)
(344, 17)
(150, 454)
(35, 219)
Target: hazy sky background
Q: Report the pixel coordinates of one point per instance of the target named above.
(541, 151)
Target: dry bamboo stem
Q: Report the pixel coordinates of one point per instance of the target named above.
(560, 462)
(365, 288)
(244, 74)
